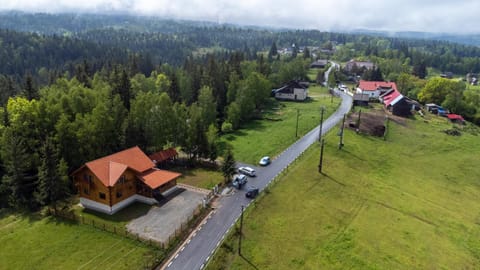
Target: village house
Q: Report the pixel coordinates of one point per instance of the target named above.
(294, 90)
(320, 63)
(375, 89)
(111, 183)
(352, 65)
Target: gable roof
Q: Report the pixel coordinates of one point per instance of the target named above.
(376, 85)
(287, 88)
(155, 177)
(108, 169)
(163, 155)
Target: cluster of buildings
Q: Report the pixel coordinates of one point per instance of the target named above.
(398, 104)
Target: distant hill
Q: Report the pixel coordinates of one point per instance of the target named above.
(470, 39)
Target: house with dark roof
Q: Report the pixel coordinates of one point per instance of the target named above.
(111, 183)
(361, 99)
(375, 89)
(320, 63)
(294, 90)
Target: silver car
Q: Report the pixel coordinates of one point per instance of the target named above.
(247, 171)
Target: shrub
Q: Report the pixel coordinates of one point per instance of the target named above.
(227, 127)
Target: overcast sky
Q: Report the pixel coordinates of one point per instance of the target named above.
(455, 16)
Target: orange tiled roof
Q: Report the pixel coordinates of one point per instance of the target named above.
(163, 155)
(374, 85)
(108, 169)
(155, 177)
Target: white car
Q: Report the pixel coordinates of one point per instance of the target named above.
(264, 161)
(247, 171)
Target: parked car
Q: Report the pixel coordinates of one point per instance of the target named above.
(252, 192)
(264, 161)
(239, 180)
(247, 171)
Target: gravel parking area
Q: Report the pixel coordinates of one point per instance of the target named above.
(162, 221)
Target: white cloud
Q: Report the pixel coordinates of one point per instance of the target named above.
(412, 15)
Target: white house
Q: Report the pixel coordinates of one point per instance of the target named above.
(294, 90)
(375, 89)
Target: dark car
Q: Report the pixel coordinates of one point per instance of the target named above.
(252, 192)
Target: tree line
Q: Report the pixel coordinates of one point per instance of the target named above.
(46, 132)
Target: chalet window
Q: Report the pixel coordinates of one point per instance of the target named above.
(119, 194)
(86, 191)
(101, 195)
(122, 180)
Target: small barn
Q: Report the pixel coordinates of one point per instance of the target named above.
(294, 90)
(396, 103)
(361, 99)
(163, 157)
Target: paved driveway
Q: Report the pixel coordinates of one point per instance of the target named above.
(162, 221)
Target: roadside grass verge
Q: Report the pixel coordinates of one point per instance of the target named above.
(410, 202)
(34, 242)
(271, 135)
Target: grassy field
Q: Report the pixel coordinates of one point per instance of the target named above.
(119, 219)
(410, 202)
(276, 132)
(33, 242)
(201, 177)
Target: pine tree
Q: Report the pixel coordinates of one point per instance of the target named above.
(273, 51)
(228, 166)
(17, 181)
(30, 90)
(52, 176)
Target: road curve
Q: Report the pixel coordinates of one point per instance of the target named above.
(198, 249)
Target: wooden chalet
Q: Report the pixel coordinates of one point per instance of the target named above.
(111, 183)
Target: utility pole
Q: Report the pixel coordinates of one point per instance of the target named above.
(358, 120)
(241, 233)
(320, 165)
(296, 128)
(321, 125)
(340, 144)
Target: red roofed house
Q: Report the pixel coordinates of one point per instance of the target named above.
(111, 183)
(375, 89)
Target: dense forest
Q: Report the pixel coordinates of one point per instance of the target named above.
(77, 87)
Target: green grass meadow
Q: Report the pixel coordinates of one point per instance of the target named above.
(201, 177)
(273, 134)
(410, 202)
(34, 242)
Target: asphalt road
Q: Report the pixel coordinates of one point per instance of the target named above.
(196, 251)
